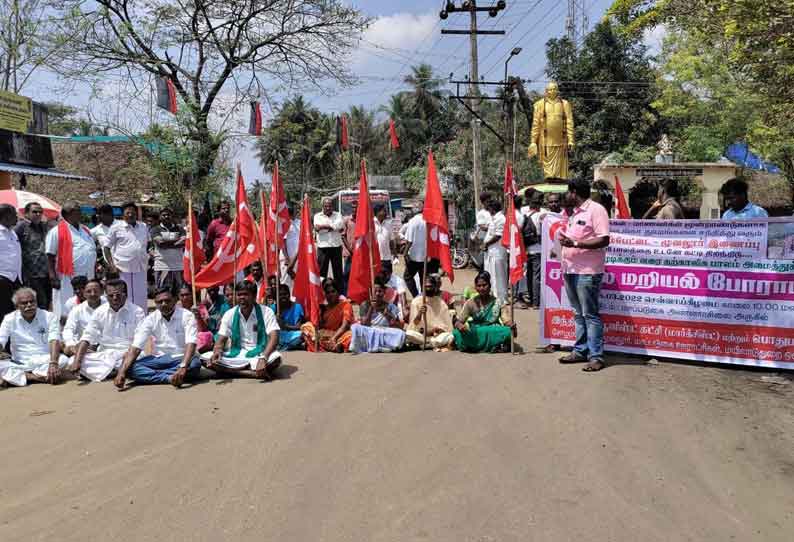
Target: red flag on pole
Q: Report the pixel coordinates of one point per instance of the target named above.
(238, 249)
(345, 136)
(193, 253)
(513, 241)
(510, 182)
(308, 289)
(166, 94)
(620, 197)
(393, 141)
(255, 122)
(435, 217)
(365, 262)
(279, 213)
(268, 247)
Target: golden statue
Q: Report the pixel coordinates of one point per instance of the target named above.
(552, 133)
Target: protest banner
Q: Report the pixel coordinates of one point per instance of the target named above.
(705, 290)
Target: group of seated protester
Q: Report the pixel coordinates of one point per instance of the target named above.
(240, 332)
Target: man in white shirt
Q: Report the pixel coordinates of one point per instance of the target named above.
(71, 252)
(108, 335)
(384, 231)
(495, 254)
(289, 256)
(329, 226)
(396, 285)
(174, 332)
(416, 252)
(483, 217)
(11, 262)
(126, 247)
(251, 331)
(78, 318)
(104, 214)
(35, 336)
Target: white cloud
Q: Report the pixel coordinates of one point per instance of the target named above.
(404, 31)
(654, 38)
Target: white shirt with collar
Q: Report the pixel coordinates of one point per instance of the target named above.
(113, 330)
(417, 236)
(170, 336)
(248, 327)
(11, 261)
(384, 233)
(29, 339)
(496, 229)
(77, 322)
(292, 238)
(83, 249)
(129, 246)
(333, 237)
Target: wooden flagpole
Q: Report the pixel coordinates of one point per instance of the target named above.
(424, 291)
(314, 255)
(192, 261)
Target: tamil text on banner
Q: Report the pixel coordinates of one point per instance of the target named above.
(707, 290)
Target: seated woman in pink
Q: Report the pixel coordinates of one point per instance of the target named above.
(202, 315)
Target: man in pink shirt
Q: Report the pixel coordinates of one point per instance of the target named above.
(584, 245)
(217, 229)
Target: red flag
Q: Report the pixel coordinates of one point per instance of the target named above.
(513, 241)
(510, 182)
(345, 136)
(269, 248)
(166, 94)
(393, 141)
(621, 205)
(239, 249)
(279, 213)
(193, 253)
(308, 288)
(366, 256)
(255, 122)
(437, 228)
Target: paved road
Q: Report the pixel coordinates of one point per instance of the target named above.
(437, 447)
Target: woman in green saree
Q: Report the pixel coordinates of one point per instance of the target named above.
(481, 325)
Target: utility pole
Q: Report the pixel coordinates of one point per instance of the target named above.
(474, 76)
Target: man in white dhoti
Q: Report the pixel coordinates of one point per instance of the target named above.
(174, 360)
(496, 262)
(251, 330)
(35, 336)
(79, 316)
(108, 335)
(70, 253)
(126, 247)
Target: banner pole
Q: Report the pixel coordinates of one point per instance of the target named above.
(190, 233)
(424, 292)
(512, 320)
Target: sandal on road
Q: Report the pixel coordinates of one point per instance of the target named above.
(573, 357)
(594, 366)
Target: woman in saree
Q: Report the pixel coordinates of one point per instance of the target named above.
(290, 317)
(336, 317)
(380, 326)
(481, 324)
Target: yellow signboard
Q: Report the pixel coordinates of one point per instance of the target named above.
(16, 112)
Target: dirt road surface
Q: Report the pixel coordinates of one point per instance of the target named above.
(409, 447)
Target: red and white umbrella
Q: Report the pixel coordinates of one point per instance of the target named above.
(20, 198)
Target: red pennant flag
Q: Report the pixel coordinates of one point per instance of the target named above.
(622, 206)
(345, 136)
(393, 141)
(279, 213)
(193, 254)
(513, 241)
(166, 94)
(308, 288)
(365, 263)
(255, 122)
(437, 228)
(510, 182)
(265, 232)
(239, 249)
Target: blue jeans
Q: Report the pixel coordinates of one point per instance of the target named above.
(582, 291)
(157, 370)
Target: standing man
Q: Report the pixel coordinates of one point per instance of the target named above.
(416, 253)
(174, 360)
(348, 241)
(11, 262)
(554, 203)
(384, 232)
(32, 234)
(289, 256)
(108, 335)
(734, 193)
(495, 254)
(666, 206)
(584, 245)
(329, 226)
(104, 220)
(35, 336)
(253, 330)
(71, 252)
(126, 247)
(217, 229)
(169, 246)
(532, 241)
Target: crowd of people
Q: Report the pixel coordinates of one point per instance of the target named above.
(74, 301)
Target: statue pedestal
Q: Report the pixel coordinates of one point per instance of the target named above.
(664, 159)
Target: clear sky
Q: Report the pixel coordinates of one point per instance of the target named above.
(403, 33)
